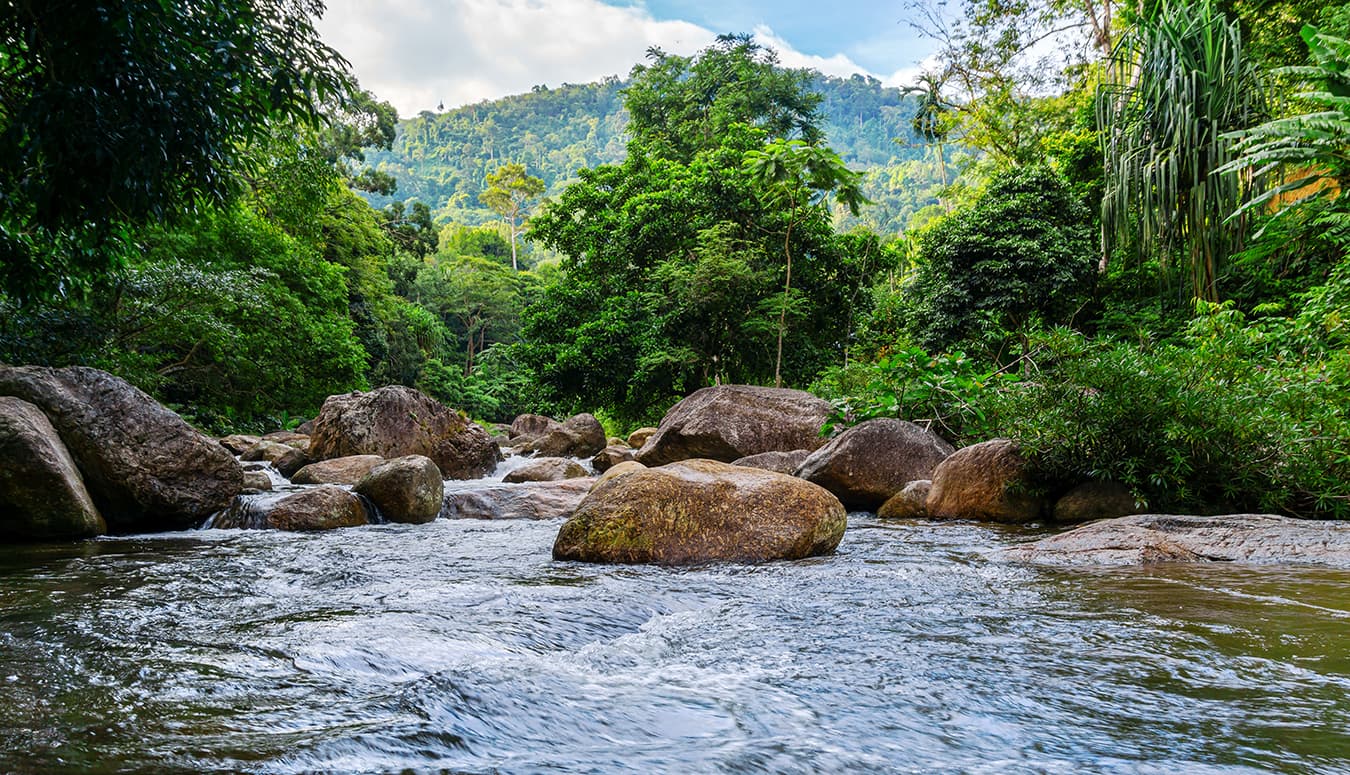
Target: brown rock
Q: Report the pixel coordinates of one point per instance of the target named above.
(868, 463)
(611, 456)
(144, 467)
(322, 508)
(42, 496)
(617, 470)
(394, 421)
(267, 451)
(580, 436)
(1094, 500)
(527, 500)
(406, 489)
(983, 482)
(1149, 538)
(782, 462)
(291, 462)
(700, 511)
(257, 481)
(729, 422)
(339, 470)
(910, 503)
(289, 438)
(546, 469)
(238, 443)
(532, 426)
(639, 437)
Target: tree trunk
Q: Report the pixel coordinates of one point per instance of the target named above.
(782, 313)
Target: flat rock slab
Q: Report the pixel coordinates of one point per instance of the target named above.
(1152, 538)
(526, 500)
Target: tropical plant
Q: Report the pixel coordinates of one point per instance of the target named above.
(1179, 82)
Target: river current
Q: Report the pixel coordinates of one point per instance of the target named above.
(460, 646)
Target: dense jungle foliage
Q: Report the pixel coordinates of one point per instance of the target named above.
(1131, 256)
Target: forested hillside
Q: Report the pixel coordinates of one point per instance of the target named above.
(443, 159)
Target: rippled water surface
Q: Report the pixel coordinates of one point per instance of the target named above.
(460, 646)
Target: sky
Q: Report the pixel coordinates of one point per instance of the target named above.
(419, 54)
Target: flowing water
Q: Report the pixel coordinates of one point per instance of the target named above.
(460, 646)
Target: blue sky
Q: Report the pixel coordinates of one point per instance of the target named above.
(421, 53)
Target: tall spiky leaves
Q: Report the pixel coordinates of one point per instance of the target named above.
(1177, 84)
(1309, 152)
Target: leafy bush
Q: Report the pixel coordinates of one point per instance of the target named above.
(1023, 251)
(944, 392)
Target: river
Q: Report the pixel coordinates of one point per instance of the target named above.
(460, 646)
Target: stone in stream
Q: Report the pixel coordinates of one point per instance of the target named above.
(985, 481)
(910, 503)
(700, 511)
(639, 437)
(238, 443)
(292, 461)
(546, 469)
(728, 422)
(407, 489)
(782, 462)
(339, 470)
(289, 438)
(1150, 538)
(144, 467)
(394, 421)
(611, 456)
(580, 436)
(42, 495)
(531, 426)
(256, 482)
(321, 508)
(269, 451)
(527, 500)
(868, 463)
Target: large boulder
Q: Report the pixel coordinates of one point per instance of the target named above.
(407, 489)
(144, 467)
(1149, 538)
(580, 436)
(320, 508)
(910, 503)
(1094, 500)
(394, 421)
(782, 462)
(639, 437)
(700, 511)
(728, 422)
(339, 470)
(42, 496)
(546, 469)
(531, 426)
(985, 481)
(868, 463)
(527, 500)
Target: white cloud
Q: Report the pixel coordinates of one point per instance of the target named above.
(838, 65)
(418, 53)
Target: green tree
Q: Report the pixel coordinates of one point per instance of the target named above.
(509, 191)
(797, 178)
(125, 112)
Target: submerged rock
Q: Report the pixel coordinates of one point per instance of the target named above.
(394, 421)
(144, 467)
(527, 500)
(728, 422)
(42, 496)
(406, 489)
(782, 462)
(868, 463)
(339, 470)
(984, 481)
(700, 511)
(546, 469)
(322, 508)
(1149, 538)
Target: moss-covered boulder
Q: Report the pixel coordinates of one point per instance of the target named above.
(699, 511)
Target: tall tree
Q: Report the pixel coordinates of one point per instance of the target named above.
(125, 111)
(797, 178)
(509, 191)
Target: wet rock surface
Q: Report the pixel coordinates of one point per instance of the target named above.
(867, 464)
(729, 422)
(527, 500)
